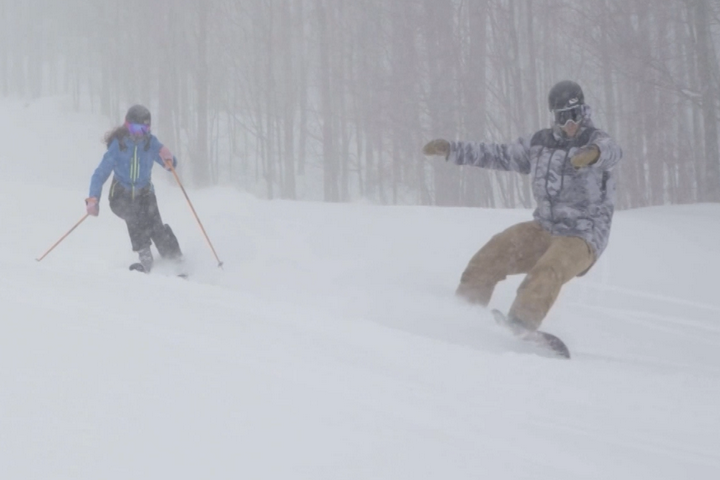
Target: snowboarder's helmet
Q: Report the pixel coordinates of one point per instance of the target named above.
(565, 94)
(565, 101)
(138, 114)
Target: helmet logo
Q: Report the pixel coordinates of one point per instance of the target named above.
(573, 101)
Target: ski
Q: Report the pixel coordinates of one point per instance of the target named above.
(544, 340)
(137, 267)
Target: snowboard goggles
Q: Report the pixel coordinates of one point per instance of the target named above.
(137, 128)
(570, 114)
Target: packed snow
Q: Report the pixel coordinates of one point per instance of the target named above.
(331, 345)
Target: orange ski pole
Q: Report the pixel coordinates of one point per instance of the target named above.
(172, 169)
(63, 237)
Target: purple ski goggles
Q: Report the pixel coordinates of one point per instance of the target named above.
(137, 128)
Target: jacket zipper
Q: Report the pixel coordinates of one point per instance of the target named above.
(134, 171)
(547, 190)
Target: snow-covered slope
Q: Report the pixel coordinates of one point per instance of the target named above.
(331, 346)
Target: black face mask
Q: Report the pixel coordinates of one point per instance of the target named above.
(564, 115)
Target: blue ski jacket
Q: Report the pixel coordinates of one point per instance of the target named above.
(131, 166)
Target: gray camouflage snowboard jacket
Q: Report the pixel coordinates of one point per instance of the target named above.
(570, 202)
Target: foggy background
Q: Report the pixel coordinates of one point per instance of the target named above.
(333, 99)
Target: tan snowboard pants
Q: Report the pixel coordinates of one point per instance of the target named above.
(550, 262)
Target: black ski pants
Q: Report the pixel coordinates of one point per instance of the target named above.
(140, 211)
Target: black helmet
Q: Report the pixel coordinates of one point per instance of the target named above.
(564, 95)
(138, 114)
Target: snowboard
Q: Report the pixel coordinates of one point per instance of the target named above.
(546, 342)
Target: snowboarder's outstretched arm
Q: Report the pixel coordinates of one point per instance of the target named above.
(513, 157)
(610, 152)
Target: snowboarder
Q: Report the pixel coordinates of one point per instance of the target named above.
(571, 166)
(131, 151)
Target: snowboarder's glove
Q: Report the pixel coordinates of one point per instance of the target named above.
(585, 156)
(92, 206)
(437, 147)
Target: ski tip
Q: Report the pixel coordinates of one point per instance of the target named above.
(137, 267)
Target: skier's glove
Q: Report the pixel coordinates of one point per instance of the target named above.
(168, 158)
(585, 156)
(92, 206)
(437, 147)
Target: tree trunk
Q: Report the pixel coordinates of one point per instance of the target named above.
(711, 184)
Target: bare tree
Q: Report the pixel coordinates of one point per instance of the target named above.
(333, 99)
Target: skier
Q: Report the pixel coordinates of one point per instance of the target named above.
(131, 151)
(571, 166)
